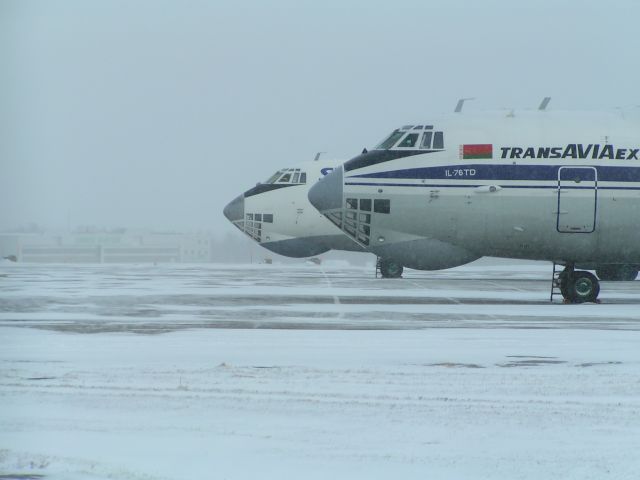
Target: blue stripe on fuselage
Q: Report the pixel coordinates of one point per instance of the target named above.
(505, 172)
(467, 185)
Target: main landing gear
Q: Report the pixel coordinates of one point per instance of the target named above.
(575, 286)
(388, 268)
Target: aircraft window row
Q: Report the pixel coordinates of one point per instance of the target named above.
(356, 225)
(289, 175)
(252, 225)
(357, 216)
(260, 217)
(379, 206)
(253, 228)
(354, 222)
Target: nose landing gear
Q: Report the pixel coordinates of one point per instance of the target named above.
(388, 268)
(575, 286)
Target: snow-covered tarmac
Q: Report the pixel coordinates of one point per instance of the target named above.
(144, 372)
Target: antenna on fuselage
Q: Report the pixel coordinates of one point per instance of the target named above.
(460, 104)
(318, 156)
(544, 103)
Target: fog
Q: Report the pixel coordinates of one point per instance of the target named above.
(155, 114)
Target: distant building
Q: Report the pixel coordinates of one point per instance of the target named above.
(120, 246)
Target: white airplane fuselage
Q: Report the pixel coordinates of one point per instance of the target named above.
(552, 186)
(277, 214)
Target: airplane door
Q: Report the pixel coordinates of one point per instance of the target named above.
(577, 199)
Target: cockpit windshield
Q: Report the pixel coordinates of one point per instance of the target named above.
(289, 176)
(274, 177)
(407, 138)
(390, 141)
(409, 141)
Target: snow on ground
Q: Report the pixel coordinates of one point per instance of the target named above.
(465, 374)
(144, 298)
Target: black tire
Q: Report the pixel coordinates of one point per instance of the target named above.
(583, 287)
(390, 269)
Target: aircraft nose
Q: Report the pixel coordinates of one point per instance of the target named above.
(234, 211)
(326, 194)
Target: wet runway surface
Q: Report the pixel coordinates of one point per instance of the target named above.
(152, 299)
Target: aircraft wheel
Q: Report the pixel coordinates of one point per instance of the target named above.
(390, 269)
(582, 287)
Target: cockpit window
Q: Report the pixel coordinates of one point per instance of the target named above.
(409, 141)
(288, 175)
(421, 139)
(274, 177)
(432, 141)
(438, 140)
(285, 178)
(426, 140)
(390, 141)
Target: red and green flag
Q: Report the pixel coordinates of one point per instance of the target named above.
(476, 151)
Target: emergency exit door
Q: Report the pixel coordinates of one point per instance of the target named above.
(577, 199)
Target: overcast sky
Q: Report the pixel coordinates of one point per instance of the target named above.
(156, 113)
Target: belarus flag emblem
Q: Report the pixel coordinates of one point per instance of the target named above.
(476, 151)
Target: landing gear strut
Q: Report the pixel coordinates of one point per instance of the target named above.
(576, 286)
(389, 268)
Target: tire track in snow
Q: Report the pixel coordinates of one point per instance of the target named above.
(336, 299)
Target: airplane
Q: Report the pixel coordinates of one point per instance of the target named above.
(277, 214)
(540, 185)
